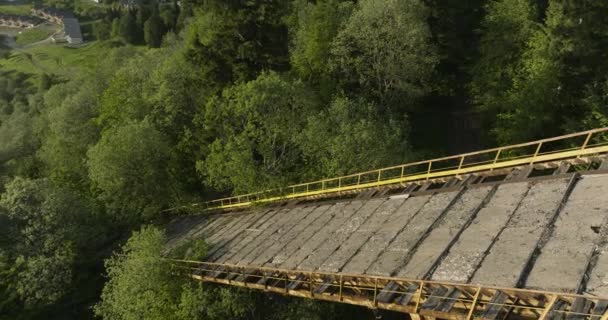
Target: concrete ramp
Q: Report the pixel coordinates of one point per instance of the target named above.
(548, 233)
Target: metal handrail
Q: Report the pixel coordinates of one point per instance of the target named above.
(498, 158)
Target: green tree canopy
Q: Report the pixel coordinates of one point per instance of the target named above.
(70, 111)
(234, 41)
(142, 285)
(258, 125)
(50, 225)
(352, 136)
(313, 29)
(128, 167)
(385, 52)
(153, 30)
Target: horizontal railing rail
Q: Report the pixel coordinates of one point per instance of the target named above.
(422, 297)
(573, 145)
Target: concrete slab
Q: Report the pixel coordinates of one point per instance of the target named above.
(243, 239)
(432, 248)
(305, 235)
(264, 233)
(472, 245)
(598, 279)
(397, 253)
(341, 216)
(276, 246)
(350, 247)
(340, 235)
(204, 229)
(368, 253)
(221, 222)
(184, 227)
(227, 237)
(181, 225)
(288, 221)
(504, 264)
(564, 259)
(237, 221)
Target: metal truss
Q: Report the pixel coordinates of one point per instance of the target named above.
(417, 297)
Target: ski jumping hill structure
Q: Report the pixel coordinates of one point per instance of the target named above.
(507, 233)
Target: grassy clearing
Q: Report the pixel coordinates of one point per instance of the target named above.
(33, 35)
(18, 8)
(56, 59)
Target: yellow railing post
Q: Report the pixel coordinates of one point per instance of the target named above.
(376, 292)
(312, 294)
(587, 139)
(496, 158)
(340, 296)
(419, 299)
(428, 171)
(287, 283)
(540, 144)
(474, 303)
(548, 308)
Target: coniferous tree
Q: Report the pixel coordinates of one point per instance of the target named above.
(153, 30)
(128, 28)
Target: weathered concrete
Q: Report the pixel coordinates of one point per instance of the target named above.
(440, 237)
(565, 257)
(368, 253)
(296, 243)
(227, 229)
(348, 249)
(503, 235)
(340, 217)
(396, 254)
(340, 235)
(465, 256)
(227, 237)
(184, 227)
(263, 232)
(196, 228)
(598, 279)
(243, 239)
(289, 236)
(283, 225)
(214, 227)
(504, 264)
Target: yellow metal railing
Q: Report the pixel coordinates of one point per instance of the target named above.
(405, 295)
(558, 148)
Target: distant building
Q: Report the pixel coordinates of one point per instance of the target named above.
(72, 31)
(71, 26)
(51, 14)
(14, 21)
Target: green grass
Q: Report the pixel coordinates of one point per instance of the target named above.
(32, 35)
(18, 8)
(56, 59)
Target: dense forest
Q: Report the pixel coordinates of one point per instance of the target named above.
(215, 97)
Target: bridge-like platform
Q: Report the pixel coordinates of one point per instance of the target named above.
(525, 241)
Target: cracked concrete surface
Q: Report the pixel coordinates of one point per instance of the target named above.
(501, 234)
